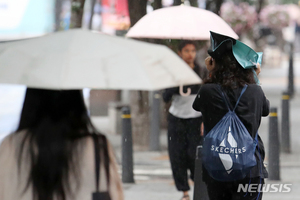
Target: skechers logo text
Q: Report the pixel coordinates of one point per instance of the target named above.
(228, 150)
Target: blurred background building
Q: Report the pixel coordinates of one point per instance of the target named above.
(25, 18)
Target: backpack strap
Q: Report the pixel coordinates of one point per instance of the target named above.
(225, 100)
(237, 102)
(103, 148)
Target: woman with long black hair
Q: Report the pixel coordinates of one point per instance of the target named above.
(233, 65)
(51, 156)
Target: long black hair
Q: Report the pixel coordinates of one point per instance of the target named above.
(229, 73)
(54, 122)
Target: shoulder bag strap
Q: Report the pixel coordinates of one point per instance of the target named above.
(224, 98)
(97, 160)
(101, 195)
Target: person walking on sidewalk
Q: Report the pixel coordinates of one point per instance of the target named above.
(229, 73)
(183, 125)
(55, 151)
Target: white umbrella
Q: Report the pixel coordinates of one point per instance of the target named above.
(180, 22)
(79, 58)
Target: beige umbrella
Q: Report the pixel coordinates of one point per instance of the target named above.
(180, 22)
(79, 58)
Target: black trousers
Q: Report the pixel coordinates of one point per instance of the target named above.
(230, 190)
(183, 139)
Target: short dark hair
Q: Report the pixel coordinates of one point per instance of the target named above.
(183, 43)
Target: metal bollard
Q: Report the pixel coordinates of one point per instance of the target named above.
(291, 88)
(200, 191)
(285, 124)
(154, 143)
(127, 153)
(273, 165)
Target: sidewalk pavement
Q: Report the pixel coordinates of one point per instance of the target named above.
(152, 172)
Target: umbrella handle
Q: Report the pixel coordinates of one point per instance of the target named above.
(182, 93)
